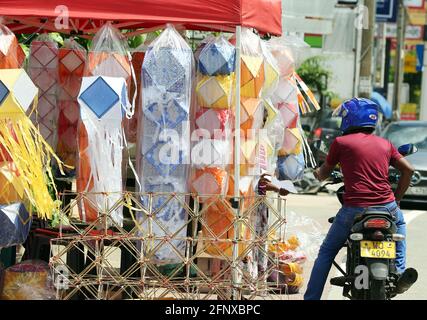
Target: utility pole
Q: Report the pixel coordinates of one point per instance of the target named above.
(400, 55)
(367, 50)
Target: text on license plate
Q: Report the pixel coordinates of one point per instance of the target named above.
(417, 191)
(378, 249)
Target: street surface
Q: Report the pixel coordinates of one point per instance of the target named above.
(322, 206)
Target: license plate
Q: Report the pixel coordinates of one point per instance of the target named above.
(417, 191)
(378, 249)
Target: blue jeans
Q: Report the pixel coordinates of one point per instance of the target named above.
(336, 238)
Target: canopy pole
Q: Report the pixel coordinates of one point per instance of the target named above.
(235, 265)
(237, 116)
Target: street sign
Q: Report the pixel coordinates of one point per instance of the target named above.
(387, 10)
(419, 4)
(412, 32)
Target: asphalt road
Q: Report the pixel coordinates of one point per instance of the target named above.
(320, 207)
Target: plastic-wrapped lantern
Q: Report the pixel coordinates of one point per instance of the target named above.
(292, 142)
(215, 92)
(215, 121)
(285, 60)
(217, 58)
(15, 222)
(271, 77)
(71, 65)
(11, 54)
(289, 113)
(272, 111)
(208, 181)
(252, 76)
(101, 142)
(43, 70)
(211, 152)
(251, 114)
(291, 167)
(218, 229)
(248, 152)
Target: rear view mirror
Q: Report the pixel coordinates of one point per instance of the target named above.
(407, 149)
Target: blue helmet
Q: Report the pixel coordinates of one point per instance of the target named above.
(357, 113)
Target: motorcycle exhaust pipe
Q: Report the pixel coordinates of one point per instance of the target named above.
(406, 280)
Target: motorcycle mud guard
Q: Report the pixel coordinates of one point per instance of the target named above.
(378, 268)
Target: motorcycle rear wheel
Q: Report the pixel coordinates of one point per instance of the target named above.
(377, 290)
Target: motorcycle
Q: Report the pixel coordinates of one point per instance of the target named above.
(371, 251)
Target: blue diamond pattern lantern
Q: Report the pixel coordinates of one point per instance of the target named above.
(4, 91)
(163, 159)
(15, 222)
(99, 97)
(164, 70)
(291, 167)
(166, 114)
(217, 58)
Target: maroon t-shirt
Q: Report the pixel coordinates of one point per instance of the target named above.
(364, 160)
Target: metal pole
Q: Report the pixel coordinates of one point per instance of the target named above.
(357, 59)
(235, 272)
(398, 65)
(423, 102)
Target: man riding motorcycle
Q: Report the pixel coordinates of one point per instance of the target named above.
(364, 159)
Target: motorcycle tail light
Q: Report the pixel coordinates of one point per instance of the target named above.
(377, 224)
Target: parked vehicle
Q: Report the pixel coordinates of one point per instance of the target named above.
(372, 244)
(414, 132)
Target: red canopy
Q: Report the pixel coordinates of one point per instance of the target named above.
(87, 15)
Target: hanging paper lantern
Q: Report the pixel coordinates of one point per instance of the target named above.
(11, 54)
(208, 181)
(218, 229)
(211, 152)
(108, 64)
(15, 222)
(131, 127)
(271, 78)
(251, 114)
(71, 66)
(101, 143)
(166, 112)
(292, 142)
(215, 92)
(217, 58)
(214, 121)
(22, 145)
(272, 112)
(285, 60)
(252, 76)
(162, 159)
(43, 70)
(291, 167)
(289, 113)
